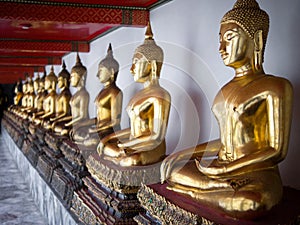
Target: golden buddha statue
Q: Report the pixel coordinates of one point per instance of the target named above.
(254, 115)
(144, 142)
(38, 102)
(30, 95)
(33, 109)
(49, 100)
(108, 103)
(18, 94)
(17, 110)
(25, 94)
(41, 93)
(78, 102)
(62, 107)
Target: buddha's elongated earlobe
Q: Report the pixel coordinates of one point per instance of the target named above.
(258, 50)
(112, 74)
(154, 70)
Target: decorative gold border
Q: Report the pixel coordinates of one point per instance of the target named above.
(166, 212)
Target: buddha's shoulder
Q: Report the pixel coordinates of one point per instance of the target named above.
(275, 82)
(114, 90)
(83, 92)
(159, 91)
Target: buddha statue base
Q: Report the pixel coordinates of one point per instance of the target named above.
(109, 195)
(48, 162)
(82, 203)
(34, 152)
(63, 185)
(27, 143)
(25, 126)
(32, 128)
(67, 178)
(40, 133)
(45, 167)
(125, 180)
(14, 127)
(54, 141)
(14, 131)
(103, 205)
(72, 153)
(168, 207)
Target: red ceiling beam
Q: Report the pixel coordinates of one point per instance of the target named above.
(10, 53)
(32, 61)
(11, 74)
(79, 13)
(44, 46)
(10, 78)
(21, 69)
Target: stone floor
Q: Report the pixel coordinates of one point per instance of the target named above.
(16, 204)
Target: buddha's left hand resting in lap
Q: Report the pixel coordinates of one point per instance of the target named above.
(144, 142)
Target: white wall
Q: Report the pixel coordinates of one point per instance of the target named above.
(193, 71)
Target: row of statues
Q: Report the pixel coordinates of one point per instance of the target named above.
(68, 115)
(253, 111)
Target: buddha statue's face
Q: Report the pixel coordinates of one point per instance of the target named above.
(236, 47)
(47, 84)
(30, 87)
(141, 68)
(75, 79)
(104, 74)
(42, 85)
(36, 85)
(24, 87)
(61, 82)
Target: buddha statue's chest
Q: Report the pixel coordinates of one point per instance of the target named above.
(141, 115)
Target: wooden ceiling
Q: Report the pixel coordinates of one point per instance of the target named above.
(38, 33)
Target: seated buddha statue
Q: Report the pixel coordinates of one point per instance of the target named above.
(78, 102)
(18, 94)
(144, 142)
(30, 95)
(24, 98)
(41, 93)
(35, 96)
(254, 115)
(108, 104)
(48, 101)
(62, 107)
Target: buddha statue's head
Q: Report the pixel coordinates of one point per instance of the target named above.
(243, 34)
(16, 88)
(36, 84)
(30, 88)
(25, 84)
(63, 77)
(108, 68)
(78, 73)
(51, 80)
(147, 59)
(42, 81)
